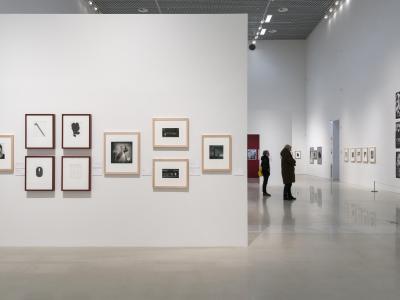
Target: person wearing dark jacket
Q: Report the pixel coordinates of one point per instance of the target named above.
(288, 163)
(266, 171)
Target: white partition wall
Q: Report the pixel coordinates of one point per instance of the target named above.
(126, 70)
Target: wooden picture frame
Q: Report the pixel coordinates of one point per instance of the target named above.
(69, 133)
(6, 153)
(126, 166)
(39, 173)
(77, 187)
(216, 162)
(40, 132)
(171, 165)
(175, 134)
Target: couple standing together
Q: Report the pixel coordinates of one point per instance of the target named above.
(287, 165)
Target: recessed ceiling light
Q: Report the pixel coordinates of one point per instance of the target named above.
(331, 9)
(143, 10)
(90, 3)
(272, 31)
(263, 31)
(337, 3)
(326, 17)
(283, 9)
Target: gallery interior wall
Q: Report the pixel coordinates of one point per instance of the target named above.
(179, 66)
(353, 72)
(276, 89)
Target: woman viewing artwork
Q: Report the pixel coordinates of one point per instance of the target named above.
(288, 164)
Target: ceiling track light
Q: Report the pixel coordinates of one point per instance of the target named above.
(93, 6)
(261, 31)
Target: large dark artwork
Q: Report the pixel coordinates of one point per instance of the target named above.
(216, 152)
(170, 132)
(397, 164)
(170, 173)
(121, 152)
(398, 105)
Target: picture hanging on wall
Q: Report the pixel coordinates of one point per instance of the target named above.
(397, 164)
(346, 155)
(76, 131)
(319, 155)
(372, 155)
(297, 154)
(312, 155)
(39, 173)
(76, 173)
(121, 153)
(398, 105)
(170, 173)
(6, 153)
(359, 155)
(252, 154)
(217, 153)
(40, 131)
(397, 135)
(171, 133)
(365, 155)
(353, 155)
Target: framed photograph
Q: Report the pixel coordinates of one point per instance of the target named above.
(346, 155)
(372, 155)
(312, 155)
(121, 153)
(397, 164)
(76, 173)
(297, 154)
(217, 153)
(397, 135)
(170, 173)
(397, 105)
(359, 155)
(39, 173)
(170, 133)
(319, 155)
(40, 131)
(76, 131)
(6, 153)
(252, 154)
(365, 155)
(353, 155)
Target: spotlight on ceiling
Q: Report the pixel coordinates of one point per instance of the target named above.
(268, 19)
(263, 31)
(143, 10)
(283, 9)
(252, 46)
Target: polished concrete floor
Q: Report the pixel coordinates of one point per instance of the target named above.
(335, 242)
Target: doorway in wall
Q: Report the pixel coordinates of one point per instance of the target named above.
(335, 150)
(253, 157)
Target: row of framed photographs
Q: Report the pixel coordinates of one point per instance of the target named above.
(360, 155)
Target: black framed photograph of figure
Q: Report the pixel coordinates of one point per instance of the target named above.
(217, 153)
(39, 173)
(397, 105)
(372, 155)
(121, 153)
(319, 155)
(40, 131)
(312, 155)
(76, 173)
(76, 131)
(353, 155)
(170, 133)
(6, 153)
(397, 135)
(346, 155)
(297, 154)
(365, 155)
(170, 173)
(397, 164)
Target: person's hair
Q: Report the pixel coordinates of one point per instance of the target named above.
(288, 147)
(265, 152)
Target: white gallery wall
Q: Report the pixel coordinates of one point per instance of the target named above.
(353, 71)
(125, 70)
(276, 95)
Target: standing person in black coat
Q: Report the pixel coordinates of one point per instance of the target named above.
(288, 163)
(266, 171)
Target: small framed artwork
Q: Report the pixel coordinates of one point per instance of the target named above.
(319, 155)
(170, 173)
(365, 155)
(353, 155)
(40, 131)
(252, 154)
(121, 153)
(6, 153)
(359, 155)
(297, 155)
(397, 135)
(76, 173)
(217, 153)
(39, 173)
(397, 105)
(170, 133)
(372, 155)
(397, 164)
(346, 155)
(312, 153)
(76, 131)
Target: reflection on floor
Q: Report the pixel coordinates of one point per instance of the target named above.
(335, 242)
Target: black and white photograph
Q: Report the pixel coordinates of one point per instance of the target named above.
(297, 154)
(312, 155)
(121, 152)
(398, 105)
(398, 135)
(6, 153)
(397, 164)
(372, 155)
(365, 155)
(170, 173)
(170, 132)
(251, 154)
(319, 155)
(39, 131)
(39, 173)
(353, 155)
(76, 131)
(2, 152)
(216, 151)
